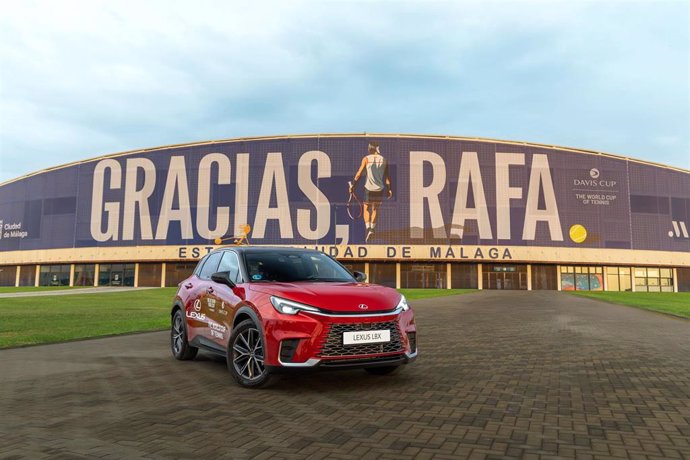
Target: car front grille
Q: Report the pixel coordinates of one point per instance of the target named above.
(333, 345)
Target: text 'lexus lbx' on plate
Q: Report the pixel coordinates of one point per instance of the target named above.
(268, 310)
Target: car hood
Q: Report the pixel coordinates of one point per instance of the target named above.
(336, 297)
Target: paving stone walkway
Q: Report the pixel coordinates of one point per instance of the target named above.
(500, 374)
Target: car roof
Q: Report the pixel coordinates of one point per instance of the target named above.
(266, 249)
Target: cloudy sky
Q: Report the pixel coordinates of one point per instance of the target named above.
(82, 79)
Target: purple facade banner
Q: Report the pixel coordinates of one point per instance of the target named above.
(351, 190)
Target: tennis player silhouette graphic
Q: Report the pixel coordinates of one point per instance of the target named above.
(377, 185)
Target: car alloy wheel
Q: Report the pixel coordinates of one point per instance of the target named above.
(177, 335)
(248, 354)
(179, 346)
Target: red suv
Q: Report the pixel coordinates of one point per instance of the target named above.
(270, 310)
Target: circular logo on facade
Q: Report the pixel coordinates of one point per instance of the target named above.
(578, 233)
(594, 173)
(363, 306)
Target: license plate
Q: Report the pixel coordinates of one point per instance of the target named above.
(357, 337)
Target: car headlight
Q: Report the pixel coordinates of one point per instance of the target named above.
(289, 307)
(403, 303)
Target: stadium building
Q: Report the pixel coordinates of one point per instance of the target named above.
(410, 211)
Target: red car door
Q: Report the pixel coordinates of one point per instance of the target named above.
(225, 300)
(198, 314)
(195, 320)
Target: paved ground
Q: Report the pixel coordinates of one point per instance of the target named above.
(95, 290)
(500, 375)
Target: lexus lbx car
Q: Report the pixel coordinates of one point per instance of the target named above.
(272, 310)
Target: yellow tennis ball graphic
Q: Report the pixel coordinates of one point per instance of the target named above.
(578, 233)
(218, 241)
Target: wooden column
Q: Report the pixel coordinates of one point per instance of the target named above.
(163, 274)
(558, 277)
(632, 279)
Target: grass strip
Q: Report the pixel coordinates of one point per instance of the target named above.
(416, 294)
(10, 289)
(675, 303)
(46, 319)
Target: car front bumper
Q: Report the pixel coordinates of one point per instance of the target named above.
(315, 364)
(314, 341)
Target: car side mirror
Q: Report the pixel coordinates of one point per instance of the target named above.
(223, 278)
(360, 277)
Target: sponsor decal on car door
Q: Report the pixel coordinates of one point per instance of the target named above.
(196, 316)
(217, 331)
(219, 320)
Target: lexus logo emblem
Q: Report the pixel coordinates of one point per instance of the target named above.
(363, 306)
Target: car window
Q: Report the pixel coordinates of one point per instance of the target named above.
(323, 267)
(197, 270)
(291, 266)
(230, 263)
(211, 266)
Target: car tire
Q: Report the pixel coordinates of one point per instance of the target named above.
(181, 349)
(385, 370)
(245, 356)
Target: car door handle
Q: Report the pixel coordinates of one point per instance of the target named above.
(189, 285)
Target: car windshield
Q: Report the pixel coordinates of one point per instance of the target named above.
(291, 266)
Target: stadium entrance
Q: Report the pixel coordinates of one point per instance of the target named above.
(502, 276)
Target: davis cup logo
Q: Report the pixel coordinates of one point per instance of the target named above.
(594, 173)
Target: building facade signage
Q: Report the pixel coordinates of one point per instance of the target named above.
(354, 196)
